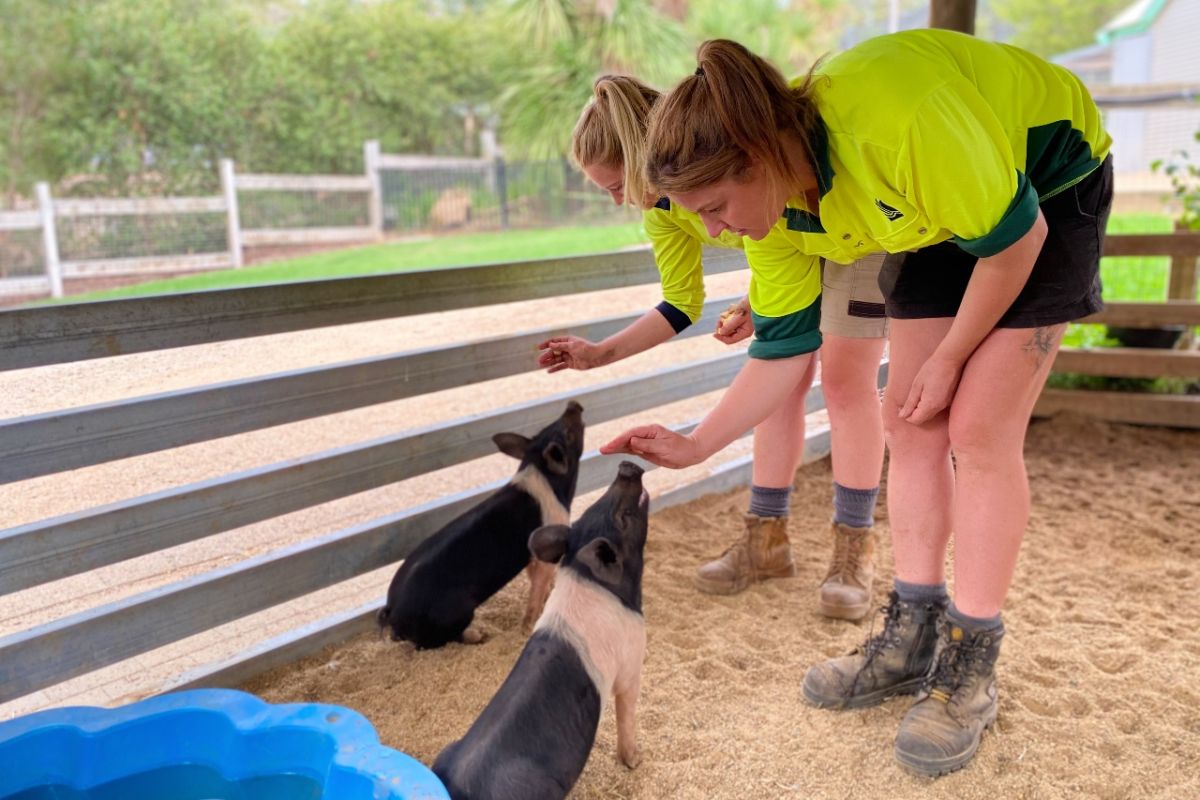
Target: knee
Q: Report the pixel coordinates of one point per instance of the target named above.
(982, 438)
(845, 386)
(905, 440)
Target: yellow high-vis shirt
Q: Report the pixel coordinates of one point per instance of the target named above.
(785, 285)
(932, 135)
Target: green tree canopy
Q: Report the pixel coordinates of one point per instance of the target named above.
(1050, 27)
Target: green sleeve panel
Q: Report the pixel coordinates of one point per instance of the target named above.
(789, 335)
(1015, 223)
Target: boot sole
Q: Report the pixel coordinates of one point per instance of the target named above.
(852, 613)
(864, 700)
(712, 587)
(935, 769)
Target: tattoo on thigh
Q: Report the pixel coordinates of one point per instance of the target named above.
(1041, 343)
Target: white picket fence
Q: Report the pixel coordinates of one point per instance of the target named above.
(51, 211)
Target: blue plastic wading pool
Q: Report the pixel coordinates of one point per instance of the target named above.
(207, 744)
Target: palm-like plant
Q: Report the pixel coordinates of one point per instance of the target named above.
(572, 42)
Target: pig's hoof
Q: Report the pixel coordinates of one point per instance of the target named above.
(473, 636)
(631, 759)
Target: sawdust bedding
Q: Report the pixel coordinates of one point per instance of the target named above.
(1098, 676)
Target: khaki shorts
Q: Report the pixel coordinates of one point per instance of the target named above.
(851, 302)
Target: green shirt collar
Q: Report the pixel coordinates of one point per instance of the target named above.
(798, 219)
(820, 146)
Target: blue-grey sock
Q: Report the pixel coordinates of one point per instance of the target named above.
(767, 502)
(974, 624)
(920, 594)
(854, 507)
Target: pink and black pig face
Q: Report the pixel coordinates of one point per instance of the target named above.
(607, 543)
(554, 451)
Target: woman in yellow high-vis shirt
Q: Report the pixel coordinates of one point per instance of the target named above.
(782, 308)
(985, 170)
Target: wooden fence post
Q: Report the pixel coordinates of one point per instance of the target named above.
(375, 199)
(50, 239)
(232, 220)
(955, 15)
(1182, 284)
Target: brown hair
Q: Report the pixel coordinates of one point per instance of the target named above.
(733, 110)
(611, 131)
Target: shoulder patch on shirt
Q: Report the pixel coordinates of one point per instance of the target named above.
(889, 212)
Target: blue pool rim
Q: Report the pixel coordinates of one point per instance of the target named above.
(236, 733)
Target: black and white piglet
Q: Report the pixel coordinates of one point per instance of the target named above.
(534, 737)
(433, 597)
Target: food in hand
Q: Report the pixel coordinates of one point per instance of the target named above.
(732, 311)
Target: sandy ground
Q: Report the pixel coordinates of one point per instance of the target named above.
(1098, 673)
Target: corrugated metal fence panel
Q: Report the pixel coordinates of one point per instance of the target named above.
(62, 440)
(55, 548)
(92, 639)
(76, 332)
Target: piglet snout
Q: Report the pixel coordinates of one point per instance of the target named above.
(629, 471)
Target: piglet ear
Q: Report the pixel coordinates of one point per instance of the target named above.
(549, 542)
(512, 444)
(602, 559)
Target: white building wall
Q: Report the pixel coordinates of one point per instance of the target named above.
(1130, 65)
(1175, 58)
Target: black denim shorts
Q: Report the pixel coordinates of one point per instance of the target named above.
(1064, 284)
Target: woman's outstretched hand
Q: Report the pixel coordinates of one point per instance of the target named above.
(658, 445)
(568, 352)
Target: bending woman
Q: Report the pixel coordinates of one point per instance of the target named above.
(608, 145)
(986, 170)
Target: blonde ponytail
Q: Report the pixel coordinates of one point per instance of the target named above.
(611, 132)
(735, 109)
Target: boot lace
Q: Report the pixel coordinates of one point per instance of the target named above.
(957, 661)
(877, 643)
(847, 556)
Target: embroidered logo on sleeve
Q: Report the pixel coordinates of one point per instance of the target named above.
(889, 212)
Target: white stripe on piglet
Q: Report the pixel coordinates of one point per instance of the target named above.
(610, 638)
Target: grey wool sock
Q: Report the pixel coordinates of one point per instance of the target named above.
(921, 593)
(974, 624)
(854, 507)
(766, 502)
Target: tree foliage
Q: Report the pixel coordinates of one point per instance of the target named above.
(143, 96)
(573, 42)
(1050, 27)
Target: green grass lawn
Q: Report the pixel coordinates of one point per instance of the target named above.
(463, 250)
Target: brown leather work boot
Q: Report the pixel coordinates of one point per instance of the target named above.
(846, 591)
(762, 552)
(894, 661)
(941, 732)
